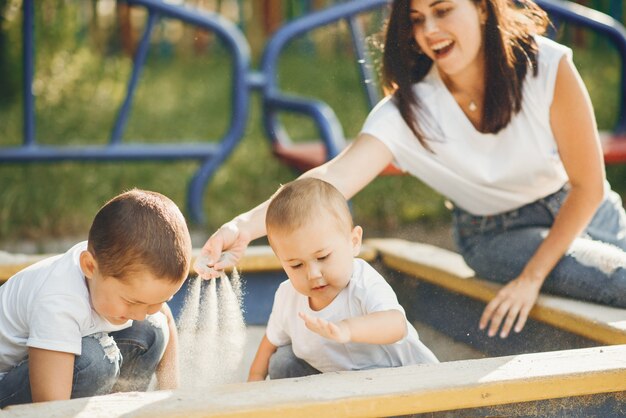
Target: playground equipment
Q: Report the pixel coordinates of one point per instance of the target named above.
(301, 156)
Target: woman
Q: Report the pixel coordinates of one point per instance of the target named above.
(496, 118)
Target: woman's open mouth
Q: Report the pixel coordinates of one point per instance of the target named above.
(442, 48)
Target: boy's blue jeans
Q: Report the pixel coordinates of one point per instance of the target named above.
(120, 361)
(593, 269)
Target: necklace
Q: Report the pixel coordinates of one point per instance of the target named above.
(472, 106)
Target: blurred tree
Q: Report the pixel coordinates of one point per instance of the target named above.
(9, 67)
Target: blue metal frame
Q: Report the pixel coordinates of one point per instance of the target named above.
(212, 154)
(603, 24)
(331, 132)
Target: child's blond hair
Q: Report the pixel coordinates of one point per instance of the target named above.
(301, 201)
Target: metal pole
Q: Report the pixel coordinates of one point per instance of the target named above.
(28, 48)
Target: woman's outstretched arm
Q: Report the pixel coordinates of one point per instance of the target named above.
(349, 172)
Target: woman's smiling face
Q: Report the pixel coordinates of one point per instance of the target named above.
(450, 32)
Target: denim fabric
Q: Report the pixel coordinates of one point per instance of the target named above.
(120, 361)
(593, 269)
(284, 364)
(142, 347)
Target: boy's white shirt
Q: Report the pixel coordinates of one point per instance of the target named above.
(47, 305)
(367, 292)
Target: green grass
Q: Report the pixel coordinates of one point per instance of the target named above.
(185, 97)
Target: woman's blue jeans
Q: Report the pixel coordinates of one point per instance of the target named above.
(593, 269)
(120, 361)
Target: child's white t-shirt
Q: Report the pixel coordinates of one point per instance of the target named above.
(367, 292)
(484, 174)
(47, 306)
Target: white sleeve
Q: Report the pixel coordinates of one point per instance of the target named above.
(381, 297)
(550, 55)
(276, 330)
(374, 293)
(56, 322)
(386, 124)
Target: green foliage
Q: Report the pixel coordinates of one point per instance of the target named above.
(9, 69)
(184, 96)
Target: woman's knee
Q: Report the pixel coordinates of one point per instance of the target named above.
(593, 271)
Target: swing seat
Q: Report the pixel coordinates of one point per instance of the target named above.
(306, 155)
(613, 147)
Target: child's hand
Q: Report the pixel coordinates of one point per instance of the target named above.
(339, 332)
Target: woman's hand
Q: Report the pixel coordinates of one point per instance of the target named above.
(513, 301)
(222, 250)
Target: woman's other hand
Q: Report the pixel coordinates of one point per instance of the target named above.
(511, 305)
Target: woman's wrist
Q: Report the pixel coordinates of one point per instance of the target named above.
(244, 225)
(533, 276)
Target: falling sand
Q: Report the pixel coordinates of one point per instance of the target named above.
(212, 332)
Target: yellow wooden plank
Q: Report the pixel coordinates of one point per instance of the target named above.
(261, 258)
(258, 258)
(12, 263)
(371, 393)
(444, 268)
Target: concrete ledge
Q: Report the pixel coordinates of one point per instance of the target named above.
(382, 392)
(447, 269)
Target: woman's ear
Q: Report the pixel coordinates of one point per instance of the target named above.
(482, 12)
(357, 238)
(88, 263)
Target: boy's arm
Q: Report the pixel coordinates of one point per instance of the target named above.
(384, 327)
(167, 370)
(260, 364)
(51, 374)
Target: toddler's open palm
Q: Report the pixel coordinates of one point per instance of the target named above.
(337, 332)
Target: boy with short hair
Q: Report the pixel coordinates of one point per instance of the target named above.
(95, 320)
(336, 311)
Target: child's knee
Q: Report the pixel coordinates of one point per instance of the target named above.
(97, 368)
(160, 329)
(93, 348)
(284, 364)
(153, 333)
(144, 342)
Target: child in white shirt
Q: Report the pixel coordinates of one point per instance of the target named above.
(335, 310)
(94, 320)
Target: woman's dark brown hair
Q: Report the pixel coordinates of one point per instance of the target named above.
(510, 50)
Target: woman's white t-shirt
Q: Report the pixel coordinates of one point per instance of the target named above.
(483, 174)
